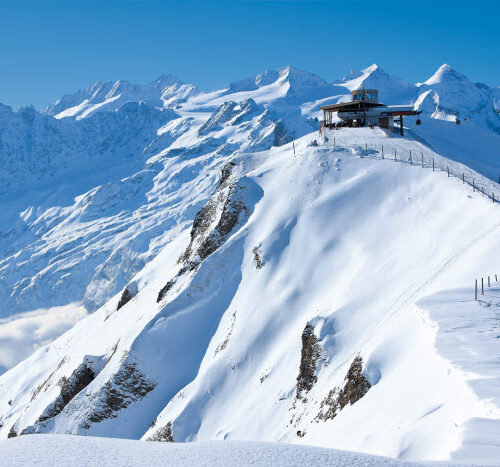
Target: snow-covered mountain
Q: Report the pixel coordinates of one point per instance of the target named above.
(165, 92)
(240, 281)
(449, 95)
(392, 90)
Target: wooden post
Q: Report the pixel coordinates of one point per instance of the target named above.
(463, 178)
(448, 170)
(493, 197)
(482, 286)
(475, 296)
(334, 145)
(489, 283)
(496, 280)
(422, 160)
(411, 162)
(293, 148)
(382, 151)
(433, 164)
(482, 190)
(401, 123)
(473, 186)
(366, 150)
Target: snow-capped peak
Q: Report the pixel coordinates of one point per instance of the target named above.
(445, 74)
(298, 77)
(165, 80)
(392, 90)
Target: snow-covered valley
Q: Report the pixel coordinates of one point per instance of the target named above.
(186, 266)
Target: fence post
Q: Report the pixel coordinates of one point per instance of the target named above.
(475, 296)
(366, 150)
(448, 170)
(482, 286)
(382, 151)
(473, 186)
(496, 280)
(433, 164)
(395, 155)
(482, 190)
(293, 148)
(411, 162)
(422, 160)
(463, 178)
(334, 145)
(493, 197)
(489, 283)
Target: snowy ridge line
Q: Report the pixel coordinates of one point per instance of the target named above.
(422, 162)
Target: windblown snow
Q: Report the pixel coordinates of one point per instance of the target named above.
(184, 266)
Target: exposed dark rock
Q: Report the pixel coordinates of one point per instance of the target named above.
(163, 434)
(164, 290)
(310, 354)
(125, 298)
(257, 257)
(128, 385)
(224, 343)
(226, 172)
(81, 377)
(213, 224)
(355, 387)
(12, 432)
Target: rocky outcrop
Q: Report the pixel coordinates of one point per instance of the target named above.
(355, 387)
(81, 377)
(232, 112)
(214, 223)
(128, 294)
(163, 434)
(128, 385)
(310, 354)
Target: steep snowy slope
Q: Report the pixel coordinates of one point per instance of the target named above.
(299, 306)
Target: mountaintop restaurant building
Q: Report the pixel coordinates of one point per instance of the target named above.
(364, 108)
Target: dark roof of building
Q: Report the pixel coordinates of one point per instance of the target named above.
(351, 105)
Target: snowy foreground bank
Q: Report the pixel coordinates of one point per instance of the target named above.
(63, 450)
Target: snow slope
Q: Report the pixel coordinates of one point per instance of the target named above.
(65, 450)
(225, 336)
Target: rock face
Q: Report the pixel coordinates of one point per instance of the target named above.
(128, 294)
(163, 434)
(310, 354)
(355, 387)
(128, 385)
(214, 223)
(70, 387)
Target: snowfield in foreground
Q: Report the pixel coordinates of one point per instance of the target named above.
(74, 451)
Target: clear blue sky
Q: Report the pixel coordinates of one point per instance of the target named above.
(48, 48)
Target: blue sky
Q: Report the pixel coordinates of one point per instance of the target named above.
(48, 48)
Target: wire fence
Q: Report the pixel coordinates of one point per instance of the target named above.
(430, 160)
(476, 286)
